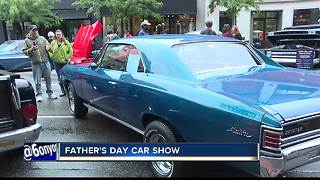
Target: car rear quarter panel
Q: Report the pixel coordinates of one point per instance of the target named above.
(197, 114)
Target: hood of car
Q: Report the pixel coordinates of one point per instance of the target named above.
(289, 92)
(82, 45)
(10, 54)
(293, 34)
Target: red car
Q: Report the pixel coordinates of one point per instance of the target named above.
(82, 46)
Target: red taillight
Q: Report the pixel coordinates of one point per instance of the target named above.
(271, 140)
(29, 111)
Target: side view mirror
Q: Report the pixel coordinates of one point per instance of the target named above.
(93, 65)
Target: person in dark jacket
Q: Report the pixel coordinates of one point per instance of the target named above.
(208, 30)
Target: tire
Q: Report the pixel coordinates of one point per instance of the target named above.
(75, 103)
(155, 130)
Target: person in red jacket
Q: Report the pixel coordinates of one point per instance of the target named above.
(127, 34)
(226, 31)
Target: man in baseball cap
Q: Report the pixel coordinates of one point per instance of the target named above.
(33, 27)
(36, 47)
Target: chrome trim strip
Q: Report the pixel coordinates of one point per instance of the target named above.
(28, 100)
(301, 140)
(31, 129)
(115, 119)
(299, 136)
(267, 153)
(5, 119)
(315, 114)
(6, 122)
(4, 77)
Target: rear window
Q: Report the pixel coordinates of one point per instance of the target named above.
(209, 56)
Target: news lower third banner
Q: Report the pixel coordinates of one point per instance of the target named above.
(140, 152)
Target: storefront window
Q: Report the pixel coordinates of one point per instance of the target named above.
(173, 24)
(264, 22)
(224, 18)
(306, 16)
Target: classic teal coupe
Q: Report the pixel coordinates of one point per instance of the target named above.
(198, 88)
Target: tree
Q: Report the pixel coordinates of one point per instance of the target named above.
(121, 9)
(234, 6)
(36, 11)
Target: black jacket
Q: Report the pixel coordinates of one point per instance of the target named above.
(208, 31)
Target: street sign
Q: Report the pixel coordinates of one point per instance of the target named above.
(304, 58)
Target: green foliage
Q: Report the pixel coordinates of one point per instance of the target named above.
(36, 11)
(234, 6)
(121, 8)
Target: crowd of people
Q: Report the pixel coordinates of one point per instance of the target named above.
(56, 51)
(41, 51)
(145, 27)
(227, 31)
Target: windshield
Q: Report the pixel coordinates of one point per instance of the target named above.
(7, 46)
(209, 56)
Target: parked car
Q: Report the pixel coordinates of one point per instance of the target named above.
(18, 112)
(83, 45)
(288, 41)
(12, 57)
(191, 88)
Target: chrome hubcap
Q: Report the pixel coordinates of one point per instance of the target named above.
(165, 168)
(71, 98)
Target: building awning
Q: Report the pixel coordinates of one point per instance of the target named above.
(178, 7)
(71, 14)
(170, 7)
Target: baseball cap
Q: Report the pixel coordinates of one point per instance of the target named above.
(50, 34)
(32, 27)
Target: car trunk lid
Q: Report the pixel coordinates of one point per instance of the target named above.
(290, 92)
(6, 119)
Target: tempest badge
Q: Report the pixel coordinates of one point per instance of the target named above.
(239, 132)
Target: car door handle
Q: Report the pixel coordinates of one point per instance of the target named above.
(113, 83)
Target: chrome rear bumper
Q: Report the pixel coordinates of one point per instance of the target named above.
(292, 157)
(16, 138)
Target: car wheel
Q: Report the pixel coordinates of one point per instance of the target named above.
(75, 103)
(158, 132)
